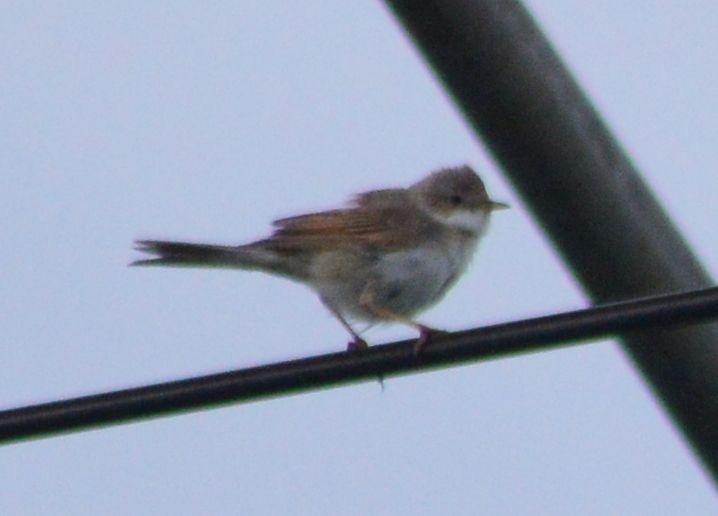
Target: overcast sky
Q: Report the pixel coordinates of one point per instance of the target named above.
(205, 121)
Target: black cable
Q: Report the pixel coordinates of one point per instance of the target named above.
(490, 342)
(579, 184)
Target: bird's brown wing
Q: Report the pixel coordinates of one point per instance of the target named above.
(384, 221)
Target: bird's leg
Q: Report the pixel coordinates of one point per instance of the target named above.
(357, 343)
(425, 332)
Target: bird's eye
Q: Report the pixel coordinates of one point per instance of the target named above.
(456, 200)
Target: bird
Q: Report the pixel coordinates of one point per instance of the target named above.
(384, 257)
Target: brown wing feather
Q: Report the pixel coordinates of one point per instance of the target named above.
(380, 218)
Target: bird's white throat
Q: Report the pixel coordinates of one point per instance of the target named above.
(475, 221)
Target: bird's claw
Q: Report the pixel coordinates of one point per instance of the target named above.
(358, 344)
(425, 335)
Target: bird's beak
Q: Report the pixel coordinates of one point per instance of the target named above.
(495, 205)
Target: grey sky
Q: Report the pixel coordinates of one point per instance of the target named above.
(205, 121)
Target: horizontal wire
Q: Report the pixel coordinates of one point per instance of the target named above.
(489, 342)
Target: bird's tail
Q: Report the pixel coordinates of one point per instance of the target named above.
(184, 254)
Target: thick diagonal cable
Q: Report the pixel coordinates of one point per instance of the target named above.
(579, 184)
(490, 342)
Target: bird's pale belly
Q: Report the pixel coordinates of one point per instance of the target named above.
(404, 282)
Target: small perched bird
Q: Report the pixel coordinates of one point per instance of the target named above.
(387, 256)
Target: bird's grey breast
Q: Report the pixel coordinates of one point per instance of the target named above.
(413, 279)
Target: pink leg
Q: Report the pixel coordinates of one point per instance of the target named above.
(357, 343)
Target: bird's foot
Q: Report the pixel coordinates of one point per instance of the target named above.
(358, 344)
(425, 335)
